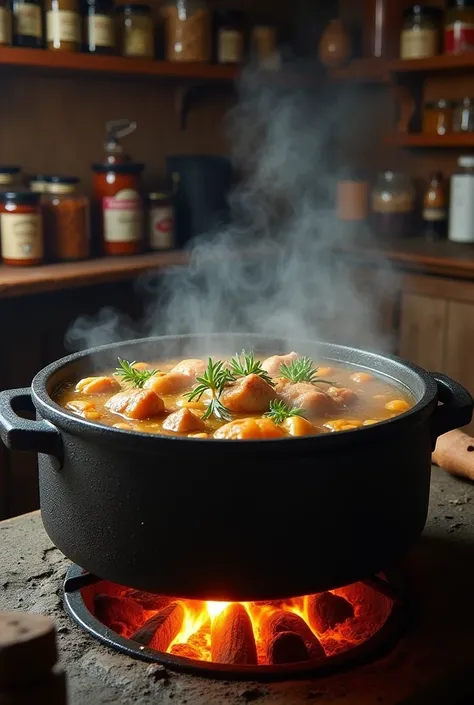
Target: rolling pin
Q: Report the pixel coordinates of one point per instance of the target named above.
(454, 453)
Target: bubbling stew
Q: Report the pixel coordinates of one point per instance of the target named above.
(239, 398)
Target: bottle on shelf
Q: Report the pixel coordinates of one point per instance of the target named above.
(435, 211)
(461, 213)
(63, 25)
(66, 219)
(6, 34)
(28, 24)
(99, 27)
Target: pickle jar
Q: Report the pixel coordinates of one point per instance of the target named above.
(135, 29)
(438, 117)
(99, 27)
(63, 25)
(5, 23)
(28, 24)
(188, 30)
(21, 226)
(66, 219)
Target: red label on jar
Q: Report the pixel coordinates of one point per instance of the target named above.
(122, 216)
(458, 38)
(164, 226)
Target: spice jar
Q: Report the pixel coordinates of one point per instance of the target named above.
(5, 23)
(160, 221)
(38, 183)
(99, 27)
(63, 25)
(463, 116)
(187, 30)
(66, 220)
(459, 27)
(28, 23)
(9, 177)
(229, 40)
(21, 227)
(421, 33)
(263, 42)
(461, 213)
(435, 212)
(135, 26)
(393, 205)
(437, 117)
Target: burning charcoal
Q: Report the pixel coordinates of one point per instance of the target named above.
(326, 611)
(159, 631)
(119, 611)
(232, 638)
(148, 600)
(185, 650)
(274, 623)
(287, 647)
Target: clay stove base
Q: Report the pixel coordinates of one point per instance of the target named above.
(431, 665)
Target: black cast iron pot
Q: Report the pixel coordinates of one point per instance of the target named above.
(235, 520)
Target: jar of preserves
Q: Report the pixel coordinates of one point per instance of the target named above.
(437, 117)
(135, 29)
(435, 211)
(187, 30)
(229, 40)
(63, 25)
(21, 227)
(393, 205)
(9, 177)
(38, 183)
(6, 34)
(28, 24)
(160, 221)
(421, 33)
(99, 27)
(459, 27)
(461, 212)
(66, 220)
(463, 116)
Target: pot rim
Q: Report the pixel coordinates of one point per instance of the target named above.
(54, 413)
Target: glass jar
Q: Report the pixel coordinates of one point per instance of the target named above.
(435, 209)
(459, 27)
(118, 207)
(9, 177)
(66, 220)
(21, 226)
(161, 221)
(263, 42)
(99, 26)
(187, 30)
(461, 212)
(463, 116)
(135, 29)
(393, 205)
(28, 24)
(63, 25)
(6, 34)
(229, 41)
(438, 117)
(421, 33)
(38, 183)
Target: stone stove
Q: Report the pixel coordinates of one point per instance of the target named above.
(432, 664)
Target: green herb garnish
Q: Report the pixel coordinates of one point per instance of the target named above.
(132, 376)
(246, 364)
(214, 380)
(279, 411)
(301, 370)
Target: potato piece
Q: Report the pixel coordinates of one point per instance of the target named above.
(272, 364)
(78, 405)
(92, 415)
(361, 377)
(250, 394)
(399, 405)
(248, 429)
(184, 421)
(298, 426)
(136, 404)
(170, 383)
(304, 395)
(140, 366)
(191, 368)
(97, 385)
(186, 404)
(343, 424)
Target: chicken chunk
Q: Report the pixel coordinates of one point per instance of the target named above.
(136, 404)
(184, 421)
(342, 395)
(169, 383)
(272, 364)
(191, 368)
(97, 385)
(250, 394)
(306, 396)
(248, 429)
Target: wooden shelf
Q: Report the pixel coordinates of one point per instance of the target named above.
(454, 140)
(435, 64)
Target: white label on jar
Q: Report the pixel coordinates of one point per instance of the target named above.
(6, 179)
(418, 43)
(161, 228)
(100, 31)
(230, 45)
(28, 20)
(63, 26)
(434, 214)
(461, 213)
(5, 26)
(122, 216)
(22, 236)
(138, 42)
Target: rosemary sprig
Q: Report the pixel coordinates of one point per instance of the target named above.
(279, 411)
(302, 370)
(246, 364)
(214, 380)
(132, 376)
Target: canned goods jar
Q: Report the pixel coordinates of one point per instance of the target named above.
(66, 219)
(136, 31)
(63, 25)
(21, 227)
(437, 117)
(160, 221)
(229, 43)
(420, 37)
(6, 34)
(188, 29)
(38, 183)
(459, 27)
(28, 23)
(9, 177)
(99, 26)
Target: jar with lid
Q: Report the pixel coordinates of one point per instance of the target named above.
(66, 220)
(38, 183)
(188, 30)
(459, 27)
(160, 221)
(435, 211)
(438, 117)
(463, 116)
(63, 25)
(263, 42)
(99, 26)
(135, 30)
(393, 205)
(6, 34)
(9, 177)
(21, 227)
(421, 33)
(461, 212)
(28, 24)
(229, 39)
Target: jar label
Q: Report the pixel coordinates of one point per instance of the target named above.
(138, 42)
(6, 179)
(161, 228)
(22, 236)
(433, 215)
(230, 46)
(418, 44)
(5, 26)
(100, 31)
(122, 216)
(63, 26)
(458, 38)
(461, 213)
(28, 20)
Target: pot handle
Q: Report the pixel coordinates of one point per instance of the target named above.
(24, 434)
(456, 406)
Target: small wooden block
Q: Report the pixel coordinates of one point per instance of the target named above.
(27, 649)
